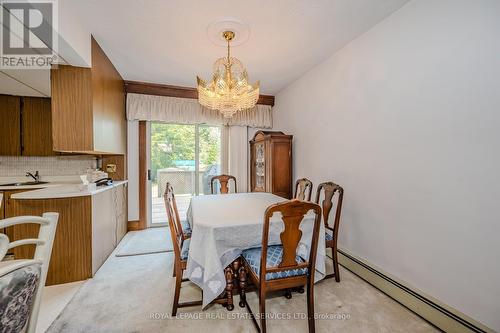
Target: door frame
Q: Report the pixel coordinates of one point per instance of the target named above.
(143, 176)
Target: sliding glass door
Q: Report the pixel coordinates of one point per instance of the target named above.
(186, 156)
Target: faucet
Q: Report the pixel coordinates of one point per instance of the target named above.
(36, 177)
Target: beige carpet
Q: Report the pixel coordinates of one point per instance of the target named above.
(134, 294)
(152, 240)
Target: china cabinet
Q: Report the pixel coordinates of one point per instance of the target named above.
(271, 163)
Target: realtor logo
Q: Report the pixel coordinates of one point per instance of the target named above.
(28, 34)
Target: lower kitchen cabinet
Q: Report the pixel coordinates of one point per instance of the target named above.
(89, 229)
(6, 209)
(109, 223)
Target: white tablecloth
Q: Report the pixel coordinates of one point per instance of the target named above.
(224, 225)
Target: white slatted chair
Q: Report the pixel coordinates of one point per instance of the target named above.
(22, 281)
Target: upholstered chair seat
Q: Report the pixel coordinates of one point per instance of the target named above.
(18, 290)
(185, 249)
(22, 280)
(186, 229)
(274, 257)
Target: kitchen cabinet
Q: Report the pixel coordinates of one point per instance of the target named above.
(10, 125)
(88, 230)
(2, 209)
(7, 202)
(271, 163)
(36, 127)
(6, 211)
(25, 126)
(88, 107)
(71, 257)
(109, 223)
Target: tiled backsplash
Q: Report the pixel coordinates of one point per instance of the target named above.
(12, 166)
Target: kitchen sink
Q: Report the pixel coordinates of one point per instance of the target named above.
(25, 183)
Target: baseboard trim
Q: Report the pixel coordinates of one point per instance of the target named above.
(442, 316)
(133, 225)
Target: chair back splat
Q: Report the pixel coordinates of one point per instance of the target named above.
(292, 213)
(329, 189)
(303, 189)
(224, 183)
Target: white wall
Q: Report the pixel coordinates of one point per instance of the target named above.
(407, 119)
(74, 37)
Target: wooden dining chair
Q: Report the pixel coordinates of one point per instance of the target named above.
(224, 183)
(181, 225)
(278, 267)
(302, 186)
(331, 236)
(181, 248)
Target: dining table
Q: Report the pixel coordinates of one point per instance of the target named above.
(224, 225)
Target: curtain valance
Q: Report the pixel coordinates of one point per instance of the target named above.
(189, 111)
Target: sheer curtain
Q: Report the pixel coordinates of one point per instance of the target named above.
(189, 111)
(238, 155)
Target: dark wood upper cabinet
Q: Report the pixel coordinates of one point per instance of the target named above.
(10, 125)
(25, 126)
(36, 127)
(88, 107)
(271, 163)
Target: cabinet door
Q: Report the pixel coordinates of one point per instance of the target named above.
(37, 127)
(281, 168)
(2, 215)
(108, 104)
(8, 211)
(7, 202)
(121, 212)
(260, 167)
(10, 125)
(103, 227)
(72, 122)
(71, 253)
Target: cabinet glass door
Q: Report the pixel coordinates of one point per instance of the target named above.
(260, 176)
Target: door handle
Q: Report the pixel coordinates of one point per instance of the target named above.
(149, 174)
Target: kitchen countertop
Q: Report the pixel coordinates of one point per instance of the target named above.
(53, 191)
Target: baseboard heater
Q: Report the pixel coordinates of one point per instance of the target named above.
(440, 315)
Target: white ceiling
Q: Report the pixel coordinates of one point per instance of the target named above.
(166, 41)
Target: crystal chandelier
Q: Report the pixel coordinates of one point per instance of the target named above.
(229, 90)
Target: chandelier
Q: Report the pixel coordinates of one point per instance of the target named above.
(229, 90)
